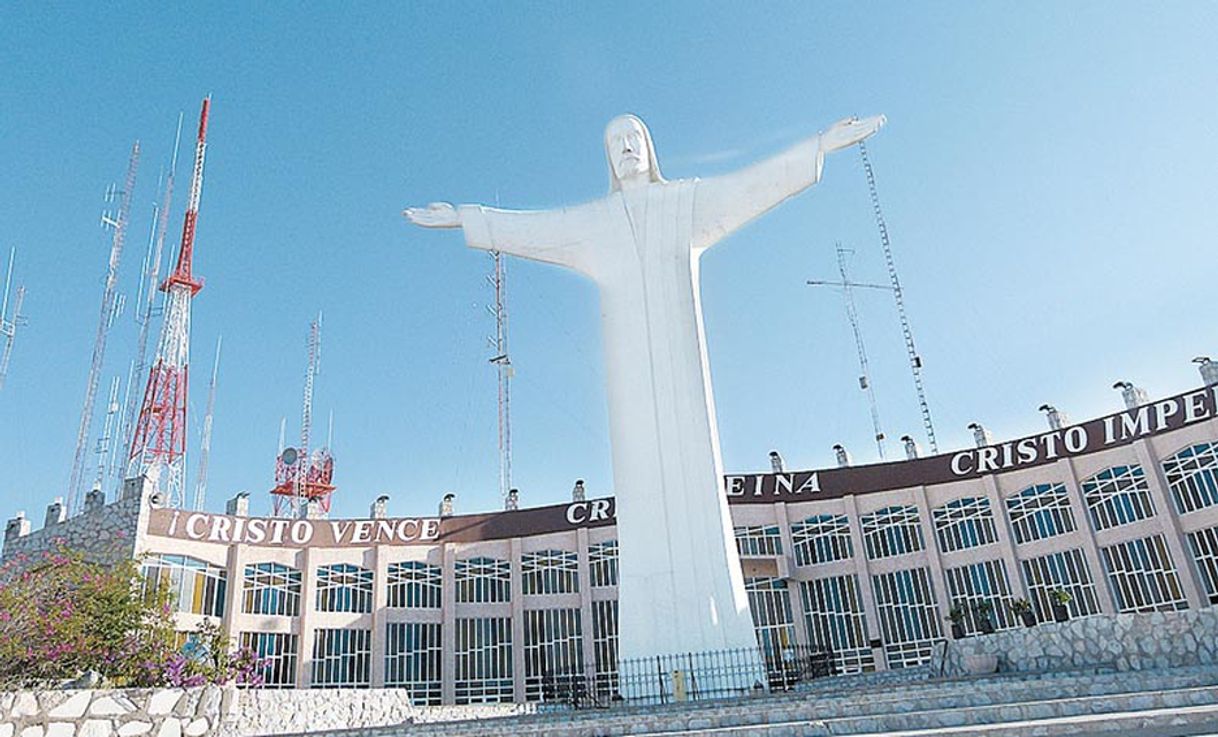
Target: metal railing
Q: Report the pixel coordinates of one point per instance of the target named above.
(681, 677)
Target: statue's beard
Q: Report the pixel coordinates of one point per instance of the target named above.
(631, 169)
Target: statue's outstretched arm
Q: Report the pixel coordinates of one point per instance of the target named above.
(726, 203)
(552, 236)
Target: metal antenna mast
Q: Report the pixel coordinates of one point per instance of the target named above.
(847, 286)
(864, 369)
(119, 225)
(158, 446)
(115, 471)
(306, 416)
(147, 293)
(105, 443)
(915, 361)
(503, 365)
(205, 444)
(9, 324)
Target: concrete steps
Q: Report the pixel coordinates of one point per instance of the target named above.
(1190, 721)
(1078, 702)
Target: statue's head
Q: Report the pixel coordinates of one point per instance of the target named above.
(631, 154)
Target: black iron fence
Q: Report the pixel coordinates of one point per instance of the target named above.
(666, 679)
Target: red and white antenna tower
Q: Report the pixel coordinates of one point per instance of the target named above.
(119, 224)
(9, 322)
(158, 448)
(301, 476)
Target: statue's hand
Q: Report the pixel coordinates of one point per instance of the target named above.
(849, 132)
(435, 215)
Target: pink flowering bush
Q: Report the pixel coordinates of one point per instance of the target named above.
(62, 614)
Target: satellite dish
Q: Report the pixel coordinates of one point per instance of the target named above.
(289, 456)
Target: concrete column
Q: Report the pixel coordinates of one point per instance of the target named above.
(518, 671)
(862, 572)
(1006, 542)
(308, 587)
(585, 606)
(380, 604)
(802, 636)
(933, 559)
(1091, 551)
(448, 628)
(237, 557)
(1165, 511)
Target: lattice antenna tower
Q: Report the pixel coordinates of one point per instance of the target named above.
(306, 416)
(113, 476)
(10, 321)
(158, 446)
(106, 441)
(503, 365)
(205, 443)
(118, 224)
(147, 302)
(847, 288)
(915, 361)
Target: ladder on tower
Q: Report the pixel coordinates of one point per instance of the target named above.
(915, 361)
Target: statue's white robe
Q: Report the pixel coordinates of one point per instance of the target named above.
(681, 588)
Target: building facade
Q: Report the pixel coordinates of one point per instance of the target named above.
(1120, 512)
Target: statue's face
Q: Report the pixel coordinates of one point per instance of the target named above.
(626, 142)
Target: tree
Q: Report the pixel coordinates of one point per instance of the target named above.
(63, 613)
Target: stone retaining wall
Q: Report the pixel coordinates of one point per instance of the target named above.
(1121, 641)
(267, 711)
(127, 713)
(213, 711)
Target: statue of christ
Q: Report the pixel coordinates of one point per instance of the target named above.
(681, 589)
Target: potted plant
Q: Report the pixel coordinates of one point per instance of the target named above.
(1023, 609)
(956, 616)
(1058, 599)
(983, 615)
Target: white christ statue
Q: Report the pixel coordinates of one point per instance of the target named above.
(681, 589)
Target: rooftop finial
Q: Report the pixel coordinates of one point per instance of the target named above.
(981, 436)
(1208, 369)
(1134, 396)
(1057, 418)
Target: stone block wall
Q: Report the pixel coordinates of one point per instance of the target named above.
(298, 711)
(127, 713)
(212, 711)
(103, 530)
(1121, 641)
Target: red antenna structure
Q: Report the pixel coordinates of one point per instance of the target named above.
(158, 447)
(300, 476)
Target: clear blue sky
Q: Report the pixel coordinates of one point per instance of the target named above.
(1048, 173)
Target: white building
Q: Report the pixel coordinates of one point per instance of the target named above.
(1121, 512)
